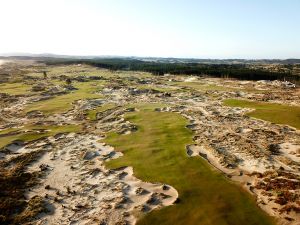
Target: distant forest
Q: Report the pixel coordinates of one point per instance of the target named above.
(238, 71)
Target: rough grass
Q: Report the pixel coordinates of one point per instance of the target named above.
(92, 114)
(157, 153)
(276, 113)
(30, 133)
(63, 103)
(15, 88)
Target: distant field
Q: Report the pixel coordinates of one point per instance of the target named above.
(63, 103)
(157, 153)
(276, 113)
(74, 70)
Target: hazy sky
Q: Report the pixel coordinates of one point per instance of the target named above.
(166, 28)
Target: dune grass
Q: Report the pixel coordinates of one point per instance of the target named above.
(15, 88)
(63, 103)
(276, 113)
(157, 153)
(32, 133)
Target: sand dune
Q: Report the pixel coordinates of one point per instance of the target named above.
(80, 190)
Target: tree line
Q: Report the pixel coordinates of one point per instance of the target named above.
(238, 71)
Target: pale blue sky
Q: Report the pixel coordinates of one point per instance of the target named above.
(165, 28)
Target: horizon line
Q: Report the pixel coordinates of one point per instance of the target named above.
(21, 54)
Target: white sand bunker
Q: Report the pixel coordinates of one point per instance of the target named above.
(80, 190)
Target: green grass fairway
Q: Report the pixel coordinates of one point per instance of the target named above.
(32, 133)
(276, 113)
(157, 153)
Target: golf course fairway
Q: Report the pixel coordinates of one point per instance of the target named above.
(156, 151)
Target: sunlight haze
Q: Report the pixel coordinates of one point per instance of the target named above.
(202, 29)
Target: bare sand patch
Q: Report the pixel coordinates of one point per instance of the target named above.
(80, 190)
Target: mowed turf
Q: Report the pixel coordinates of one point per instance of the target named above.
(157, 153)
(276, 113)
